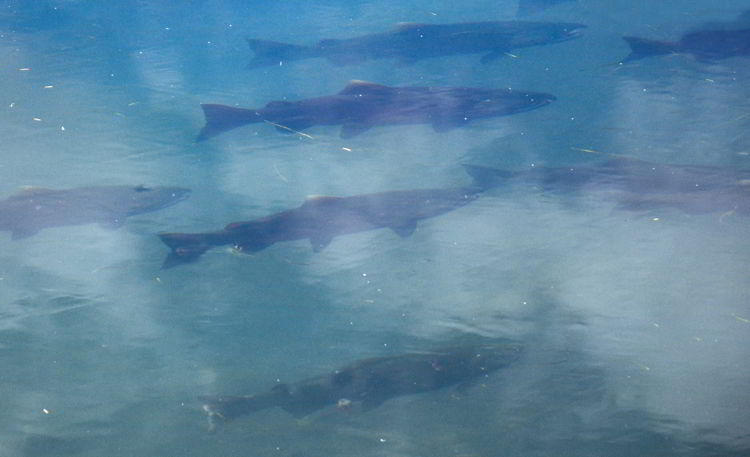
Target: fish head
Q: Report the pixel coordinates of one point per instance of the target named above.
(142, 199)
(499, 103)
(547, 33)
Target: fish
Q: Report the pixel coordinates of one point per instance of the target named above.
(322, 218)
(712, 42)
(363, 105)
(373, 381)
(33, 209)
(410, 42)
(636, 185)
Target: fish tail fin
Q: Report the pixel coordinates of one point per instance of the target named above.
(220, 118)
(186, 248)
(641, 47)
(486, 177)
(225, 408)
(275, 53)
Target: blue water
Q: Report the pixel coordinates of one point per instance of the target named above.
(636, 324)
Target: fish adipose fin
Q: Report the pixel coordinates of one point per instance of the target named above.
(269, 53)
(641, 47)
(220, 118)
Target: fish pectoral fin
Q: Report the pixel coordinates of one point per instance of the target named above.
(352, 130)
(320, 242)
(406, 229)
(494, 55)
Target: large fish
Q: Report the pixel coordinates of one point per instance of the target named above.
(412, 42)
(637, 185)
(372, 381)
(363, 105)
(320, 219)
(712, 42)
(33, 209)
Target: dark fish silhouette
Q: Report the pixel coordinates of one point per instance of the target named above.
(33, 209)
(529, 7)
(713, 42)
(372, 381)
(638, 185)
(320, 219)
(362, 105)
(412, 42)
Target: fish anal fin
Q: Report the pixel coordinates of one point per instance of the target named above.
(406, 229)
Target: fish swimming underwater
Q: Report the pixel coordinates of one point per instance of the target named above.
(713, 42)
(33, 209)
(363, 105)
(372, 381)
(320, 219)
(409, 43)
(637, 185)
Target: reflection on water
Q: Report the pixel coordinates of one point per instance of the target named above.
(610, 241)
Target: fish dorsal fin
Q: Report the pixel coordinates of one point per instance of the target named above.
(406, 26)
(363, 87)
(316, 200)
(29, 191)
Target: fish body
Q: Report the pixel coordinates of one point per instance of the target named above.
(409, 42)
(363, 105)
(373, 381)
(34, 209)
(713, 42)
(321, 219)
(637, 185)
